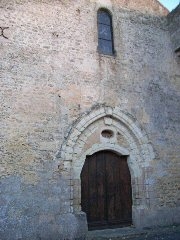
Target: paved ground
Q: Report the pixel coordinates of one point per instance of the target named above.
(130, 233)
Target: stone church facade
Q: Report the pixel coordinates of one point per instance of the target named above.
(64, 99)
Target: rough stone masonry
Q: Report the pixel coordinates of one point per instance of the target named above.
(57, 95)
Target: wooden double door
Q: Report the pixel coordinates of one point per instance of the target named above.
(106, 195)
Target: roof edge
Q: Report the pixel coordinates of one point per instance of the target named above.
(163, 6)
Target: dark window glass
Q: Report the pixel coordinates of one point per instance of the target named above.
(105, 47)
(103, 17)
(105, 33)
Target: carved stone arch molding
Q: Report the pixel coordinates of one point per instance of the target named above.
(128, 138)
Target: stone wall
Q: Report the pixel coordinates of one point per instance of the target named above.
(51, 78)
(174, 28)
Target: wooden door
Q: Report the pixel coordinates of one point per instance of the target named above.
(106, 195)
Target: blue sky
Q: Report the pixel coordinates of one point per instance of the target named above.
(169, 4)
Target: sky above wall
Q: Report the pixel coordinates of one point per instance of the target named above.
(170, 4)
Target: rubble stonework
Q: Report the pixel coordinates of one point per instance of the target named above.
(57, 96)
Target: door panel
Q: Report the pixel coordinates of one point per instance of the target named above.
(106, 190)
(100, 180)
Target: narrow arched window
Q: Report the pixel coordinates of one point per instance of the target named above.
(105, 32)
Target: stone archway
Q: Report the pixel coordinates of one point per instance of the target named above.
(85, 138)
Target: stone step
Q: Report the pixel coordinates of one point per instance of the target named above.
(131, 233)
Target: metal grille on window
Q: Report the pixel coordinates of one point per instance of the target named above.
(105, 33)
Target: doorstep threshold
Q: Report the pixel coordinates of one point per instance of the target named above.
(115, 233)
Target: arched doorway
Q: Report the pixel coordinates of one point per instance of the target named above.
(85, 138)
(106, 195)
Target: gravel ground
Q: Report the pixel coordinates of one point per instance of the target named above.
(159, 236)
